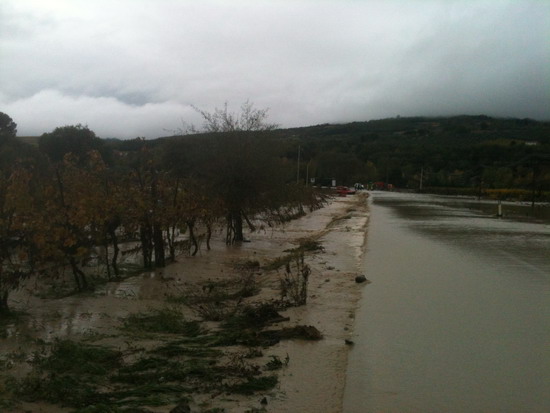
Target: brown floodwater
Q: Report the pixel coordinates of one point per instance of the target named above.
(457, 318)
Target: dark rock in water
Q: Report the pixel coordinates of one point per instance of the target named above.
(349, 342)
(182, 407)
(304, 332)
(298, 332)
(361, 279)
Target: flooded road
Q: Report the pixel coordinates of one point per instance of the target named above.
(457, 316)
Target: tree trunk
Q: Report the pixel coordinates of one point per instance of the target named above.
(248, 222)
(79, 276)
(170, 239)
(107, 264)
(171, 232)
(238, 227)
(116, 250)
(534, 187)
(76, 277)
(146, 245)
(111, 228)
(4, 302)
(158, 242)
(234, 228)
(230, 230)
(208, 235)
(192, 238)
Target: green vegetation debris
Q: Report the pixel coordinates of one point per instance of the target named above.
(255, 384)
(165, 320)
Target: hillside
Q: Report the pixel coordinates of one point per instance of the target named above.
(457, 152)
(468, 152)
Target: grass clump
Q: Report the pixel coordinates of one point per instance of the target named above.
(302, 332)
(234, 337)
(70, 374)
(159, 370)
(170, 373)
(305, 245)
(70, 357)
(274, 364)
(105, 408)
(255, 384)
(250, 265)
(178, 348)
(150, 394)
(193, 367)
(278, 262)
(294, 282)
(255, 317)
(95, 379)
(217, 301)
(166, 320)
(59, 389)
(308, 245)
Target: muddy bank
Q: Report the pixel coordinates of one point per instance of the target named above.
(312, 378)
(315, 380)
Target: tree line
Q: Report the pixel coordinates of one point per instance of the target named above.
(462, 152)
(76, 197)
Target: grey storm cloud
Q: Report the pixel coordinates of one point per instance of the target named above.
(132, 68)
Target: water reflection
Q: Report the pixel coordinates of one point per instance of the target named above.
(513, 243)
(467, 207)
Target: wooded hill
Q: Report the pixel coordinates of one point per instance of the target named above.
(455, 152)
(461, 153)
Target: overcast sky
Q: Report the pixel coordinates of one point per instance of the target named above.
(129, 68)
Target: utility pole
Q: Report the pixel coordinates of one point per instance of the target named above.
(298, 171)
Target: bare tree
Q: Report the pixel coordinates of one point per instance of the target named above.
(249, 119)
(239, 165)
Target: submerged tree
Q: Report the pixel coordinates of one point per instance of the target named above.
(242, 164)
(14, 233)
(236, 162)
(24, 228)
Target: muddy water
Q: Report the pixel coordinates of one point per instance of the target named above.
(314, 379)
(457, 316)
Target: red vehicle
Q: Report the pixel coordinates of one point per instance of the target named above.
(344, 190)
(382, 186)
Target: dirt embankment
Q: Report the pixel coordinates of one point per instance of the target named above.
(310, 374)
(315, 380)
